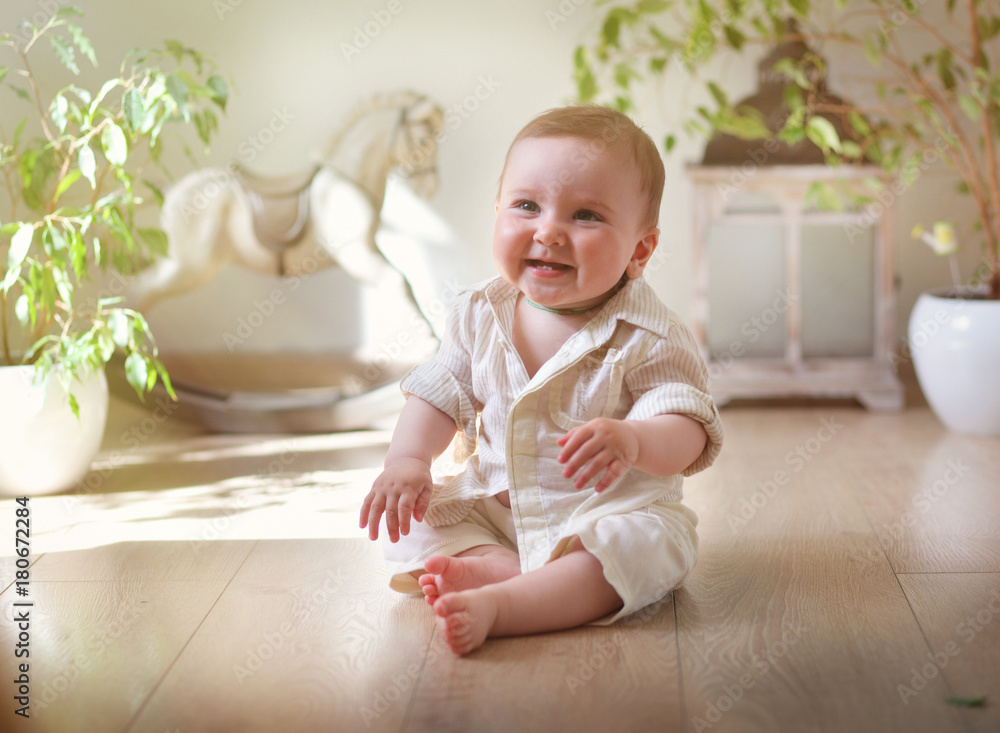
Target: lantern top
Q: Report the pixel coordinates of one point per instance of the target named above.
(728, 150)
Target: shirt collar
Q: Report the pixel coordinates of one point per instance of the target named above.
(636, 303)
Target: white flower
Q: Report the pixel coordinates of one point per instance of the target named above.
(942, 240)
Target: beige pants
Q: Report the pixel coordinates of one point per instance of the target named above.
(644, 554)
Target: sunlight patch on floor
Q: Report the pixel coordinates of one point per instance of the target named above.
(318, 504)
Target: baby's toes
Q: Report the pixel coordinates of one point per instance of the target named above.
(428, 584)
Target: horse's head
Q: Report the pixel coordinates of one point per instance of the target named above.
(413, 144)
(394, 133)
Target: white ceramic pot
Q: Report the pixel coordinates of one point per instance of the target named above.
(955, 343)
(43, 447)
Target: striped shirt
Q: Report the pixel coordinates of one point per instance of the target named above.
(633, 360)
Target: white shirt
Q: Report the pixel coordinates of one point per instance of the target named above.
(633, 360)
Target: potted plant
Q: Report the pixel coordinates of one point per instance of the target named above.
(933, 95)
(75, 174)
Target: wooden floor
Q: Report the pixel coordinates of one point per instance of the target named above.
(849, 580)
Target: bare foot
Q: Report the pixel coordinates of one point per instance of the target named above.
(465, 619)
(449, 574)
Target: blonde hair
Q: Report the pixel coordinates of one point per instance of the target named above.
(616, 131)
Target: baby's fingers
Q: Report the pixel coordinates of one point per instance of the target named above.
(365, 508)
(571, 443)
(405, 511)
(420, 508)
(376, 508)
(611, 474)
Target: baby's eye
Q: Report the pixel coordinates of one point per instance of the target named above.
(587, 215)
(526, 205)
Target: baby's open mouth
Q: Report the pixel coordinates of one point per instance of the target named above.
(547, 265)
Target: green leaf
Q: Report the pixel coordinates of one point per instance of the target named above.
(157, 193)
(118, 323)
(586, 85)
(610, 30)
(873, 53)
(944, 64)
(65, 54)
(165, 378)
(967, 702)
(624, 74)
(105, 88)
(78, 252)
(793, 97)
(55, 237)
(74, 405)
(71, 177)
(20, 92)
(22, 309)
(105, 344)
(178, 91)
(134, 109)
(969, 106)
(220, 90)
(115, 145)
(58, 112)
(155, 239)
(734, 36)
(859, 123)
(718, 94)
(822, 132)
(669, 142)
(87, 164)
(801, 7)
(850, 149)
(3, 73)
(652, 7)
(82, 42)
(19, 245)
(136, 372)
(63, 286)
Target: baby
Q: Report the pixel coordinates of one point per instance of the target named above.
(577, 398)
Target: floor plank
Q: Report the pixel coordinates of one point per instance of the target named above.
(622, 677)
(793, 619)
(960, 616)
(307, 637)
(935, 504)
(97, 648)
(131, 561)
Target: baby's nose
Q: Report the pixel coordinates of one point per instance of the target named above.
(549, 232)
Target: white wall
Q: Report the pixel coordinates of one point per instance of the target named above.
(290, 56)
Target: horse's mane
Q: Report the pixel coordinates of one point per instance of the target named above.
(393, 101)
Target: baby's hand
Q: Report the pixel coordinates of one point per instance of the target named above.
(402, 490)
(598, 445)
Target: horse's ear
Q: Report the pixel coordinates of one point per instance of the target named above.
(424, 109)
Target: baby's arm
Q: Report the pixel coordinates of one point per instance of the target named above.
(663, 446)
(403, 489)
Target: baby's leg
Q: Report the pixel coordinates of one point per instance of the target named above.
(472, 568)
(569, 591)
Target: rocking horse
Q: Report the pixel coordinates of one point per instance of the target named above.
(292, 226)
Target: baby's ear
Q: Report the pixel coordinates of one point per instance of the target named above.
(644, 249)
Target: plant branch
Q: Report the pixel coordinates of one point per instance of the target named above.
(37, 96)
(3, 328)
(991, 224)
(919, 84)
(955, 50)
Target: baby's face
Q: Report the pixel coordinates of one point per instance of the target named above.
(569, 221)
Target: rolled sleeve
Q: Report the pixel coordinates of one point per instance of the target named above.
(445, 381)
(673, 379)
